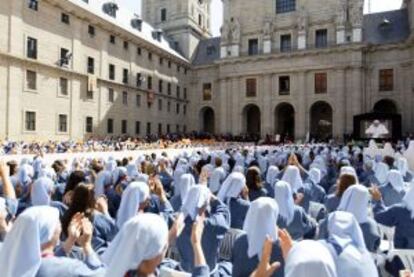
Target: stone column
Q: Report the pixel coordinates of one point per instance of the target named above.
(267, 116)
(302, 40)
(267, 45)
(301, 110)
(340, 105)
(222, 120)
(235, 100)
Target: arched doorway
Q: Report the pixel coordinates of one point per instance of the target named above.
(207, 119)
(252, 120)
(285, 121)
(321, 120)
(385, 106)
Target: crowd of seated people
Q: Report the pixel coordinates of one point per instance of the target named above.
(289, 210)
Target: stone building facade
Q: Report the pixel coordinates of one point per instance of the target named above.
(80, 68)
(301, 67)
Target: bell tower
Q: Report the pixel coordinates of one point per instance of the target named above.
(184, 22)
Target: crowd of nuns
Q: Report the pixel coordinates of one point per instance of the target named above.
(158, 214)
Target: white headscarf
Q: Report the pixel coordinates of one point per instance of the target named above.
(355, 200)
(272, 174)
(41, 190)
(197, 197)
(343, 228)
(110, 165)
(103, 179)
(409, 155)
(135, 194)
(216, 178)
(402, 165)
(381, 171)
(260, 222)
(292, 176)
(396, 180)
(186, 182)
(21, 252)
(25, 174)
(232, 186)
(310, 258)
(142, 238)
(350, 171)
(48, 172)
(284, 199)
(408, 201)
(315, 175)
(132, 171)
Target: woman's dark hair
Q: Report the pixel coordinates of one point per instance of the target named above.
(74, 179)
(231, 162)
(344, 182)
(83, 201)
(13, 167)
(253, 179)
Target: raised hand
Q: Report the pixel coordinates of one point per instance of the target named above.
(376, 193)
(265, 269)
(286, 242)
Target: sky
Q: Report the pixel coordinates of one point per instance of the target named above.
(217, 7)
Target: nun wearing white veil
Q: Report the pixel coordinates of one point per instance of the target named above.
(292, 176)
(310, 258)
(291, 216)
(272, 176)
(182, 188)
(138, 248)
(317, 192)
(356, 202)
(400, 216)
(235, 194)
(347, 246)
(217, 176)
(28, 248)
(260, 223)
(41, 194)
(394, 189)
(381, 172)
(409, 155)
(200, 201)
(402, 165)
(134, 199)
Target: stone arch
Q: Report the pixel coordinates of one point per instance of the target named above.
(207, 120)
(251, 117)
(321, 120)
(285, 120)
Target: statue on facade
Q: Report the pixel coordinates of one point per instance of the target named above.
(302, 20)
(225, 32)
(267, 28)
(235, 30)
(357, 12)
(342, 16)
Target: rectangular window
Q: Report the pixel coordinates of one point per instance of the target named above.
(207, 92)
(150, 56)
(138, 100)
(124, 126)
(185, 93)
(163, 14)
(321, 83)
(253, 47)
(139, 80)
(177, 108)
(159, 129)
(386, 80)
(139, 51)
(126, 45)
(321, 38)
(111, 95)
(31, 48)
(63, 86)
(63, 123)
(33, 4)
(125, 75)
(112, 39)
(111, 72)
(89, 95)
(110, 126)
(185, 109)
(177, 128)
(149, 83)
(169, 106)
(91, 65)
(30, 121)
(137, 127)
(285, 43)
(251, 87)
(64, 57)
(148, 128)
(169, 64)
(160, 86)
(91, 31)
(169, 88)
(284, 85)
(125, 98)
(65, 18)
(200, 20)
(161, 61)
(160, 104)
(89, 124)
(284, 6)
(168, 128)
(178, 92)
(31, 80)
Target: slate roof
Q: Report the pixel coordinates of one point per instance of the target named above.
(208, 50)
(386, 27)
